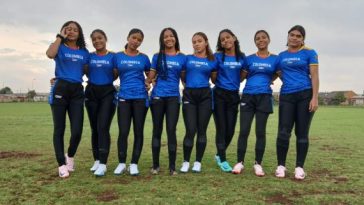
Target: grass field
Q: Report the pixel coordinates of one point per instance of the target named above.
(28, 171)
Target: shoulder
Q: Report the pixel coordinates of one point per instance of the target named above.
(309, 50)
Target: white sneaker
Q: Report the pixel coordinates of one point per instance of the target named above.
(63, 171)
(185, 167)
(120, 169)
(70, 163)
(196, 167)
(281, 171)
(95, 166)
(238, 168)
(101, 170)
(258, 170)
(299, 173)
(133, 170)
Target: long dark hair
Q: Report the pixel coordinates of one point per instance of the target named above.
(161, 60)
(131, 32)
(219, 48)
(209, 53)
(81, 39)
(300, 29)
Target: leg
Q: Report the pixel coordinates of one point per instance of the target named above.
(261, 119)
(75, 113)
(172, 114)
(124, 122)
(158, 109)
(190, 119)
(139, 114)
(246, 119)
(92, 111)
(59, 122)
(204, 115)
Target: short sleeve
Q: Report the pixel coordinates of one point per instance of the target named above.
(313, 58)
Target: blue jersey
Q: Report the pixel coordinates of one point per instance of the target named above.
(228, 72)
(169, 87)
(295, 69)
(131, 73)
(260, 72)
(70, 63)
(100, 69)
(198, 71)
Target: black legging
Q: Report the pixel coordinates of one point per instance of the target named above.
(226, 104)
(170, 107)
(101, 109)
(131, 109)
(293, 111)
(197, 110)
(67, 97)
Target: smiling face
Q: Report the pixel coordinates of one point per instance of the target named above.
(169, 39)
(98, 41)
(262, 40)
(199, 44)
(135, 40)
(295, 39)
(227, 41)
(72, 32)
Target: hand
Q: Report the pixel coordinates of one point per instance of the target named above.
(313, 104)
(153, 82)
(147, 85)
(52, 81)
(64, 32)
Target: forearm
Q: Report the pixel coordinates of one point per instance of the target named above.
(53, 48)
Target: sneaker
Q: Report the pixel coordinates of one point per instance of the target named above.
(63, 171)
(281, 171)
(258, 170)
(70, 163)
(225, 166)
(172, 172)
(196, 167)
(101, 170)
(238, 168)
(217, 159)
(133, 170)
(95, 166)
(185, 167)
(120, 169)
(299, 173)
(154, 171)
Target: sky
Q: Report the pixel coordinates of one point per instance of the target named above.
(332, 29)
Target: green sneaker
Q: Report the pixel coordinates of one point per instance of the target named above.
(225, 166)
(217, 159)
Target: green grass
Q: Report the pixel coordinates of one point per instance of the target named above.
(28, 171)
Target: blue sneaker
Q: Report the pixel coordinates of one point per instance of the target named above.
(225, 166)
(217, 159)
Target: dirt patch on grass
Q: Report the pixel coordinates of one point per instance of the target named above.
(339, 150)
(278, 199)
(18, 155)
(107, 196)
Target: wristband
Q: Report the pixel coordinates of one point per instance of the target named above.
(60, 36)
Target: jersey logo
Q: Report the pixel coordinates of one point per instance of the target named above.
(186, 102)
(58, 96)
(242, 104)
(156, 98)
(122, 100)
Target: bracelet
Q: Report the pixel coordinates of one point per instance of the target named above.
(60, 36)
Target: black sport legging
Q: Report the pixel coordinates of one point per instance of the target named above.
(128, 110)
(197, 110)
(293, 111)
(101, 109)
(168, 106)
(67, 98)
(226, 104)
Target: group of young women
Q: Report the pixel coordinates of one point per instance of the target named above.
(297, 67)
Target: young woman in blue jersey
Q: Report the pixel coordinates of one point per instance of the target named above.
(298, 99)
(70, 55)
(256, 100)
(99, 103)
(230, 63)
(197, 100)
(133, 99)
(166, 67)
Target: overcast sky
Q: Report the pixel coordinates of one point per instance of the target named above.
(334, 28)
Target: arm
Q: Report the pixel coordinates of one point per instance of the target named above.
(53, 48)
(151, 75)
(275, 76)
(116, 73)
(243, 75)
(315, 87)
(213, 76)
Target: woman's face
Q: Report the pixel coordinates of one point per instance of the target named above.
(98, 41)
(199, 44)
(295, 39)
(72, 32)
(135, 40)
(227, 40)
(262, 41)
(169, 39)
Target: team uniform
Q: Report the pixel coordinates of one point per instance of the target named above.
(166, 102)
(132, 102)
(226, 100)
(197, 105)
(67, 95)
(99, 102)
(294, 101)
(256, 100)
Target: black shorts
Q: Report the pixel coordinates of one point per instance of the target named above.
(195, 96)
(64, 92)
(254, 103)
(98, 92)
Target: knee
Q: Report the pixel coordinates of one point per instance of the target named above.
(284, 134)
(172, 147)
(156, 143)
(201, 139)
(302, 141)
(188, 142)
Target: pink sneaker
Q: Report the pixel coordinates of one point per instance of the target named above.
(63, 171)
(238, 168)
(281, 171)
(70, 163)
(258, 169)
(299, 173)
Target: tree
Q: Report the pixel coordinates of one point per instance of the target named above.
(6, 90)
(31, 94)
(338, 99)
